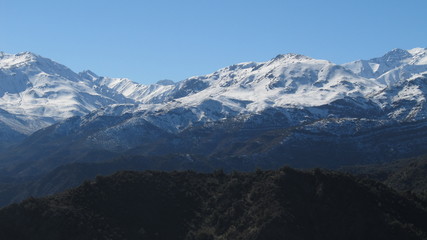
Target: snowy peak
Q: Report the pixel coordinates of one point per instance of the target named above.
(392, 68)
(89, 75)
(42, 91)
(288, 80)
(419, 56)
(398, 57)
(394, 58)
(154, 93)
(291, 57)
(33, 66)
(28, 59)
(16, 60)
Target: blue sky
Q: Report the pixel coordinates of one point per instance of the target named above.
(148, 41)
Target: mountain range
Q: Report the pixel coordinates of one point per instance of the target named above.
(366, 111)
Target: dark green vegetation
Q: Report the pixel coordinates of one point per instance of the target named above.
(406, 175)
(72, 175)
(402, 175)
(281, 204)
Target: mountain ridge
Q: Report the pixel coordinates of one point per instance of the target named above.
(288, 93)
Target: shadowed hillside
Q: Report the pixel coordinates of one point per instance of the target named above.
(282, 204)
(403, 175)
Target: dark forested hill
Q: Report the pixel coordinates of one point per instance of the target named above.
(403, 175)
(282, 204)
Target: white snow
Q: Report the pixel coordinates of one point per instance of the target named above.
(374, 66)
(10, 60)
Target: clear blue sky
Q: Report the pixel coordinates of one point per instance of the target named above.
(158, 39)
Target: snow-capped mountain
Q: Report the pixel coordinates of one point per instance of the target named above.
(40, 92)
(316, 88)
(38, 88)
(300, 99)
(394, 66)
(154, 93)
(288, 81)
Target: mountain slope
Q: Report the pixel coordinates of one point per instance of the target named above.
(405, 101)
(187, 205)
(403, 175)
